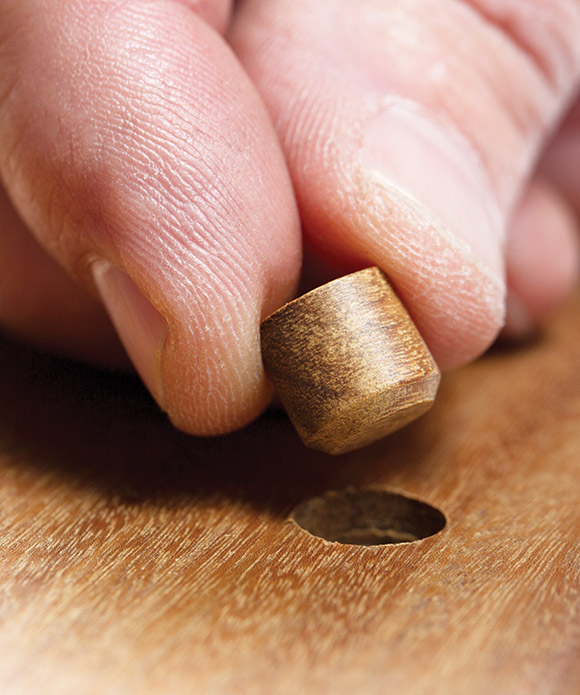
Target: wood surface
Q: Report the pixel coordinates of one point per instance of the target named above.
(137, 560)
(348, 362)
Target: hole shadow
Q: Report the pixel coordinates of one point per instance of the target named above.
(368, 516)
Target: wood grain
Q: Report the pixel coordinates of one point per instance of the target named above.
(137, 560)
(348, 362)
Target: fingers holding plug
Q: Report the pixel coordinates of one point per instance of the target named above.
(411, 131)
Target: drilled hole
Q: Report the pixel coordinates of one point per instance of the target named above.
(368, 516)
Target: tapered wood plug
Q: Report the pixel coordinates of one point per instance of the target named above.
(348, 362)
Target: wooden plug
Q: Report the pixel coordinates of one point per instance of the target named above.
(348, 362)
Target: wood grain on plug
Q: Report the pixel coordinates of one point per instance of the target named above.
(348, 363)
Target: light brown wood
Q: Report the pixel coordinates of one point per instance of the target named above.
(139, 561)
(348, 363)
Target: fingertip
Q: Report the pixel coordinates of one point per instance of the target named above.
(543, 255)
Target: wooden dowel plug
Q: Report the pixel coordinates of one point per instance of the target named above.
(348, 362)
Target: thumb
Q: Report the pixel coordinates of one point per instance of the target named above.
(411, 130)
(142, 159)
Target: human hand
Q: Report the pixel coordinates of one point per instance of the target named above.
(146, 174)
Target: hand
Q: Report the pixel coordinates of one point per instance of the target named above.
(143, 172)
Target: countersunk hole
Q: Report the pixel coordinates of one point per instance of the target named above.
(368, 516)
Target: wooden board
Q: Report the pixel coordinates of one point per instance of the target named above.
(138, 560)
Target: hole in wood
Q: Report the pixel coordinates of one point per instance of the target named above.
(368, 516)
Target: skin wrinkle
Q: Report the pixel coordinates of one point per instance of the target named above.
(349, 82)
(430, 287)
(449, 100)
(215, 304)
(179, 247)
(183, 185)
(438, 258)
(372, 75)
(414, 257)
(209, 273)
(167, 137)
(236, 260)
(210, 366)
(554, 49)
(195, 214)
(410, 215)
(456, 138)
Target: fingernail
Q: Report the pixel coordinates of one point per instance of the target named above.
(140, 326)
(414, 154)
